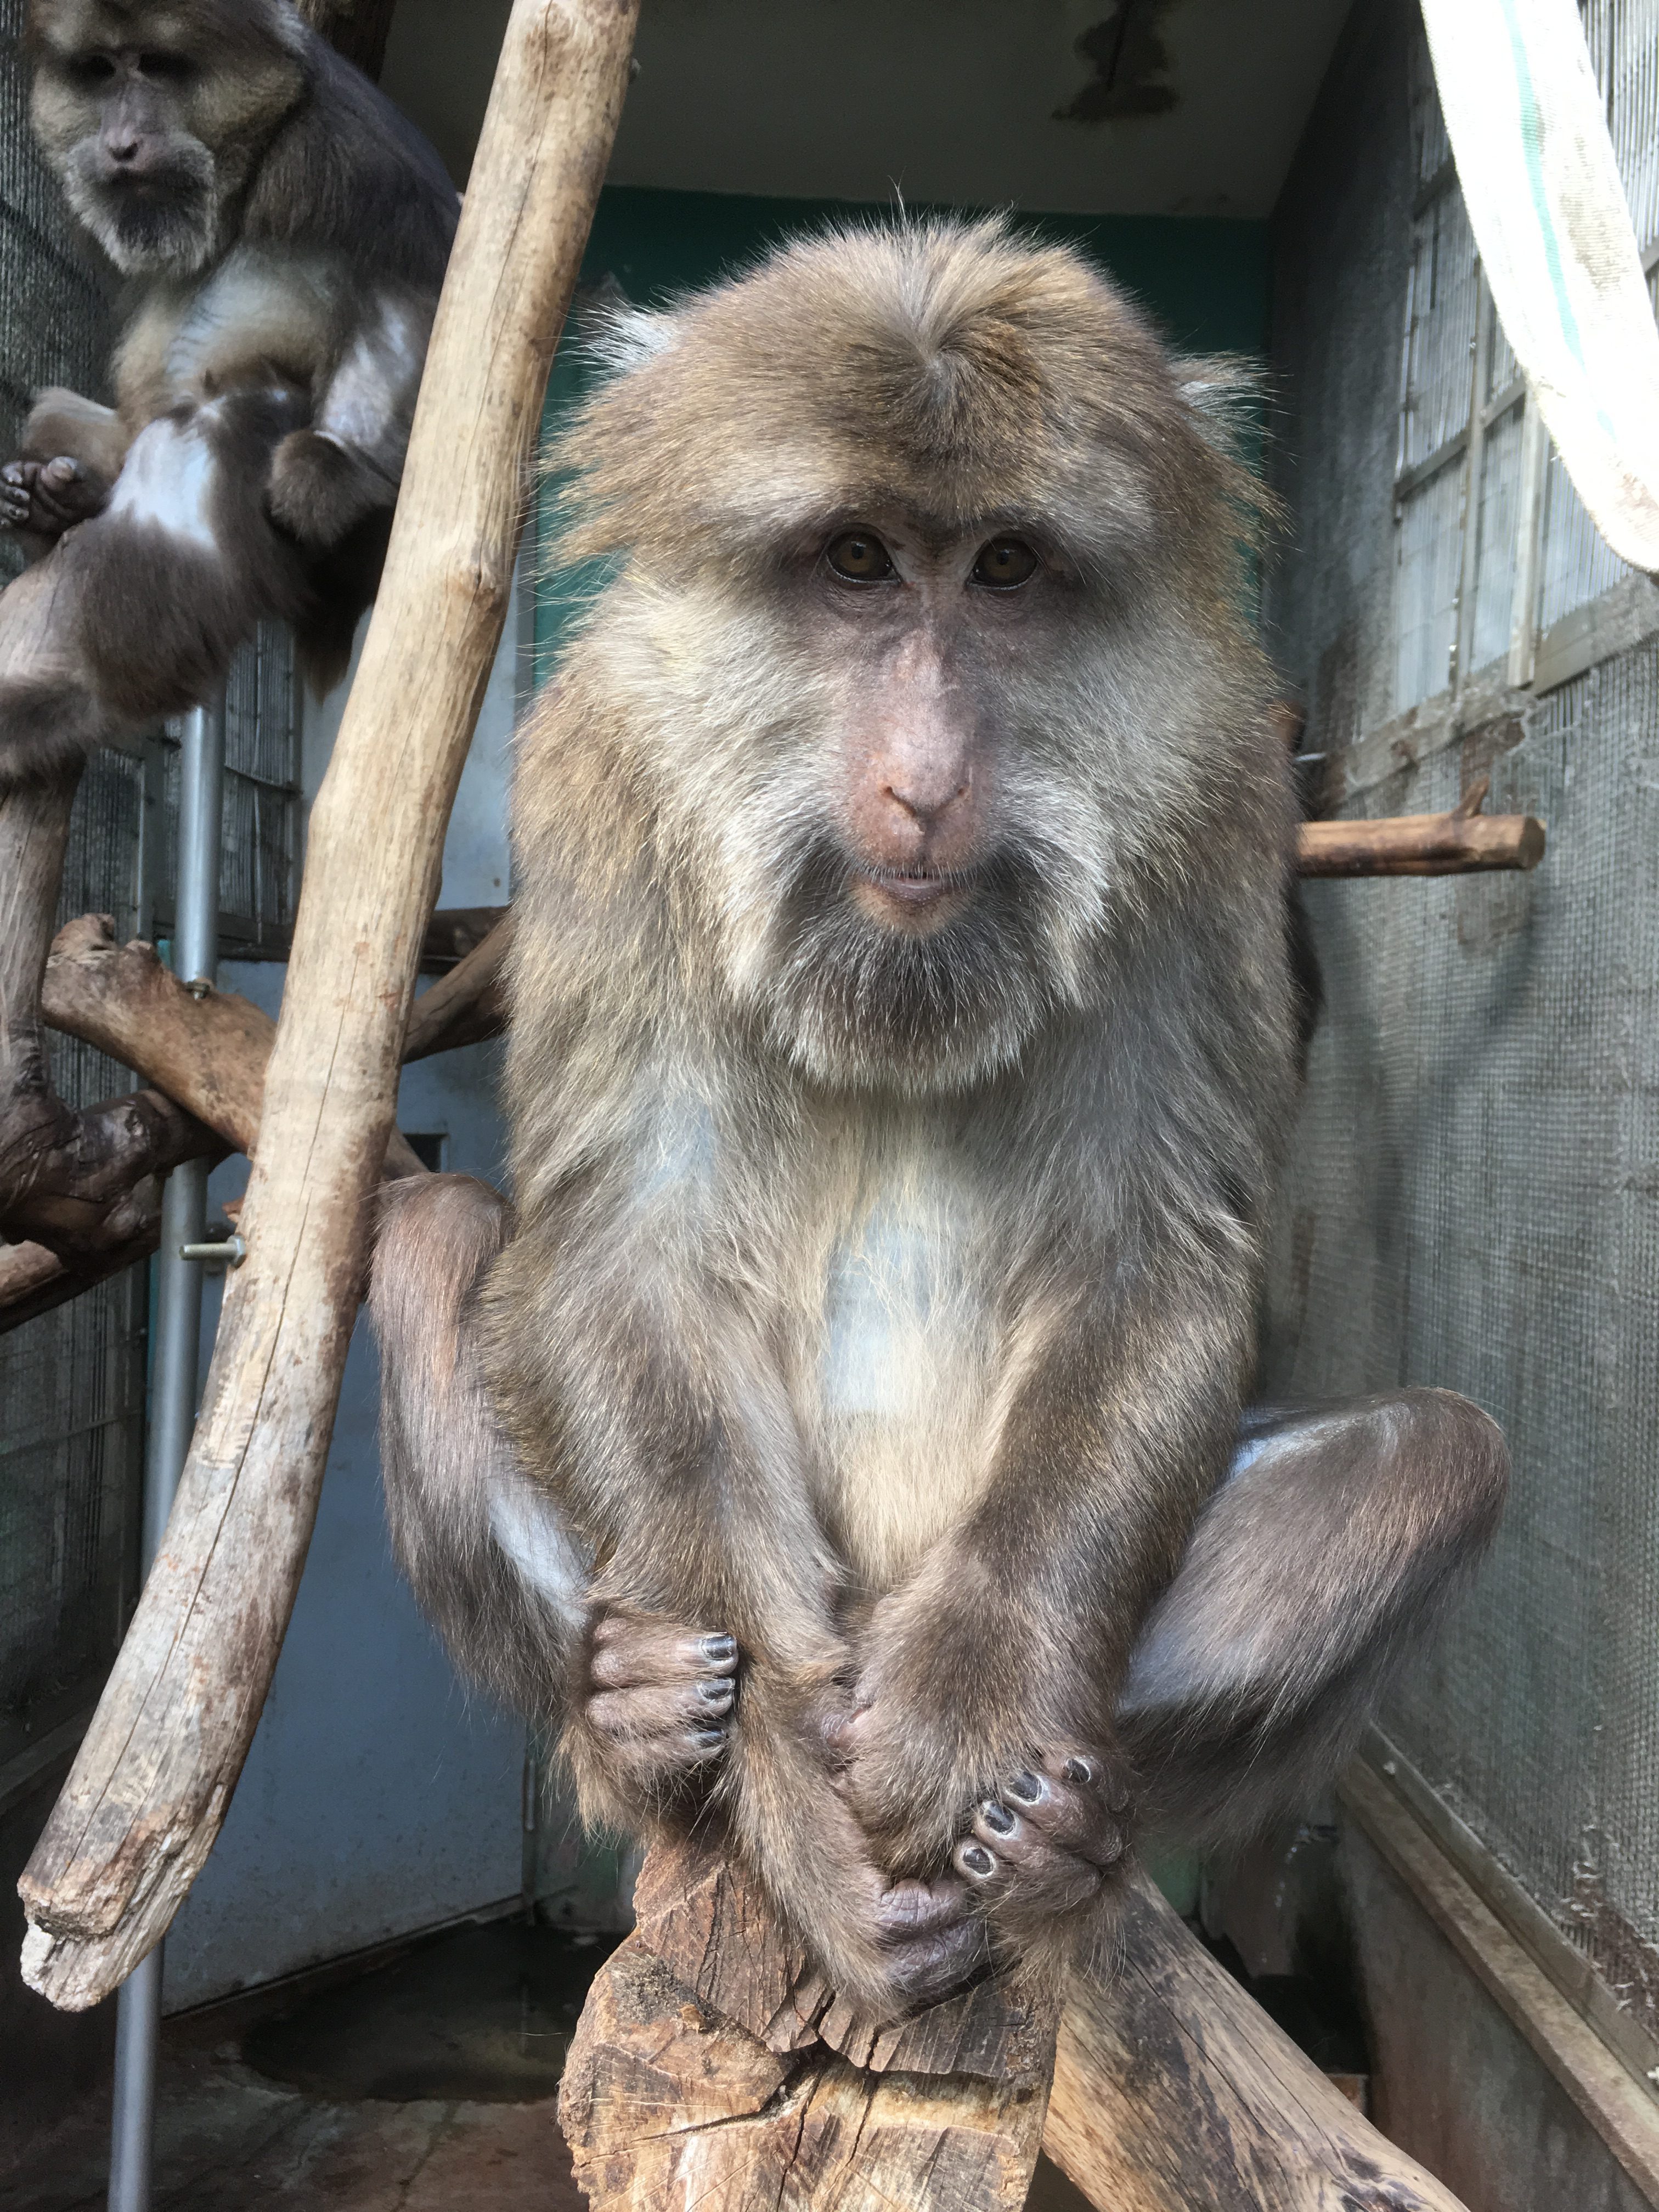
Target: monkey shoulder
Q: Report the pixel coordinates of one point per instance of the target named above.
(348, 171)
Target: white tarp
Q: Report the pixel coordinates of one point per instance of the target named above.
(1529, 133)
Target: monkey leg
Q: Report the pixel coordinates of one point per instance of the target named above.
(184, 560)
(494, 1566)
(51, 717)
(1323, 1562)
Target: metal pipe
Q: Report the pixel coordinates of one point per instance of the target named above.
(172, 1392)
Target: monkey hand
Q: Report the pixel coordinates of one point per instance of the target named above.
(1038, 1851)
(319, 491)
(649, 1721)
(951, 1753)
(46, 498)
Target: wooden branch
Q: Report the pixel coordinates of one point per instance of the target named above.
(708, 2067)
(209, 1053)
(149, 1787)
(33, 1280)
(1458, 843)
(82, 1181)
(469, 1004)
(1174, 2089)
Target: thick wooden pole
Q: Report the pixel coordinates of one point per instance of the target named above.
(150, 1789)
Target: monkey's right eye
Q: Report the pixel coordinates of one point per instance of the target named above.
(92, 68)
(858, 556)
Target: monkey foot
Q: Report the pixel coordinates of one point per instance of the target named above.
(932, 1938)
(48, 497)
(660, 1699)
(1048, 1842)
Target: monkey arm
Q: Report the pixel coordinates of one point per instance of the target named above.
(1005, 1653)
(665, 1428)
(328, 478)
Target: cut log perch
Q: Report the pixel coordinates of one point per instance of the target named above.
(1173, 2090)
(1461, 842)
(709, 2068)
(154, 1777)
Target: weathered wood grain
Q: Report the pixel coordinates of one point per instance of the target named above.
(150, 1786)
(208, 1053)
(710, 2069)
(1173, 2091)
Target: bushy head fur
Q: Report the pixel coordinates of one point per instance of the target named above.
(968, 377)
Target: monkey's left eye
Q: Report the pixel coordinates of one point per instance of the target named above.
(858, 556)
(164, 69)
(1005, 564)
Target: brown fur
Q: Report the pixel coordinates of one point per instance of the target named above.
(1104, 1115)
(881, 1289)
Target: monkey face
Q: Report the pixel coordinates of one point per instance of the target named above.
(927, 637)
(151, 112)
(929, 919)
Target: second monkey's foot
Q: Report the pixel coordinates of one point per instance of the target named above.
(1047, 1842)
(46, 498)
(661, 1700)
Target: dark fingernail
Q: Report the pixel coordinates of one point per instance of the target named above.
(1081, 1771)
(707, 1738)
(713, 1689)
(996, 1816)
(718, 1647)
(977, 1859)
(1027, 1787)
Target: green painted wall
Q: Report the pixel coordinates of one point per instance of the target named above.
(1205, 280)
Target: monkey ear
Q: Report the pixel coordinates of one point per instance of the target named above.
(616, 335)
(1224, 393)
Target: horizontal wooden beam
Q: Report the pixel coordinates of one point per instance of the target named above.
(1462, 843)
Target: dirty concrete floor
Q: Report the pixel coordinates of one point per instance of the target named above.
(426, 2085)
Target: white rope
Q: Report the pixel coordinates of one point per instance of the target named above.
(1529, 132)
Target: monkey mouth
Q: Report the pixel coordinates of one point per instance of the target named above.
(916, 889)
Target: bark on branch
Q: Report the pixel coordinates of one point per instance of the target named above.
(1462, 843)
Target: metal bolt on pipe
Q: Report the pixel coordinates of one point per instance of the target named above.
(172, 1394)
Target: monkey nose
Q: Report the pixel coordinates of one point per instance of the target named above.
(924, 802)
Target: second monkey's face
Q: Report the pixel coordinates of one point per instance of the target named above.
(150, 114)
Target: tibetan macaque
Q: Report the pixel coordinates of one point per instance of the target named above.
(282, 232)
(839, 1431)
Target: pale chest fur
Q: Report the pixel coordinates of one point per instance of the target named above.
(864, 1259)
(894, 1383)
(188, 340)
